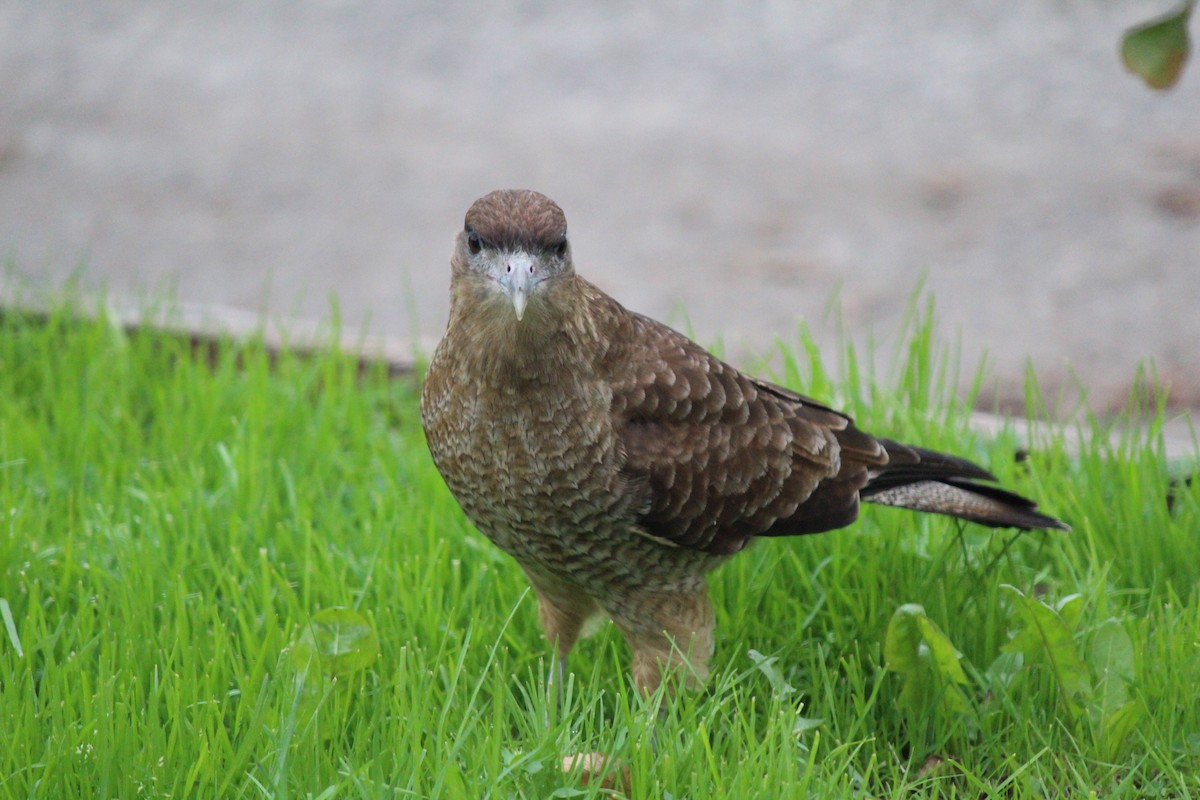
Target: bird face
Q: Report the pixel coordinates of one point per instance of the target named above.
(514, 247)
(519, 275)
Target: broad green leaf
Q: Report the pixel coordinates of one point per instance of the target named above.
(1112, 662)
(901, 653)
(1114, 736)
(805, 724)
(917, 648)
(334, 645)
(766, 665)
(1157, 50)
(1114, 716)
(903, 639)
(1070, 608)
(1006, 666)
(1047, 636)
(945, 656)
(339, 641)
(953, 699)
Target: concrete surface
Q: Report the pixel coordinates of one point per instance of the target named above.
(742, 161)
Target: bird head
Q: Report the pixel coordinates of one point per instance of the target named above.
(513, 251)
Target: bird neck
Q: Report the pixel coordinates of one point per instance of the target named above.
(555, 333)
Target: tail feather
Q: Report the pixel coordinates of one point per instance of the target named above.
(925, 480)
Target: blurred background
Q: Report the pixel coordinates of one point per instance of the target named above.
(729, 167)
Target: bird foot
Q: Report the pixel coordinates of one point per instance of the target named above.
(595, 767)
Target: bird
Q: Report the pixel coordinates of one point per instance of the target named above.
(619, 462)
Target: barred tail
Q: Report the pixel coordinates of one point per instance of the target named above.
(925, 480)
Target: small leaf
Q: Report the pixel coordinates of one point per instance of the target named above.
(918, 649)
(1006, 667)
(1070, 608)
(903, 639)
(805, 724)
(1157, 50)
(1112, 661)
(1114, 737)
(766, 665)
(1047, 636)
(945, 656)
(1114, 716)
(339, 640)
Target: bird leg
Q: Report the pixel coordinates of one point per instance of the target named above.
(671, 636)
(557, 679)
(563, 609)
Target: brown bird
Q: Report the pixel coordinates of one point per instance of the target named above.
(619, 462)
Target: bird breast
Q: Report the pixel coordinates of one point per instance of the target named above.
(525, 456)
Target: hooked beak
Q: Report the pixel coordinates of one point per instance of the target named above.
(517, 278)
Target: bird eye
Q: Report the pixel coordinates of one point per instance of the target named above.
(474, 243)
(561, 250)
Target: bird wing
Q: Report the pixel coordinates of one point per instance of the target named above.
(720, 457)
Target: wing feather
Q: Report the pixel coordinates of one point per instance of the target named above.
(722, 457)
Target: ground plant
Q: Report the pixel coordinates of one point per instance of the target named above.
(227, 571)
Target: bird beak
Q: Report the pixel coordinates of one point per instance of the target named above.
(517, 280)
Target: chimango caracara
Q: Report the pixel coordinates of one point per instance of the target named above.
(619, 462)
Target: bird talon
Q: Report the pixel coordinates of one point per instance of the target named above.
(612, 775)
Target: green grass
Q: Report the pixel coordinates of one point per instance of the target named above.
(173, 530)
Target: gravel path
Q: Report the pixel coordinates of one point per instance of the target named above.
(744, 164)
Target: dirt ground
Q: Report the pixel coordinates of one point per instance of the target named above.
(743, 162)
